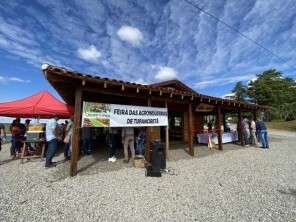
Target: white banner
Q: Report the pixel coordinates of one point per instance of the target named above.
(112, 115)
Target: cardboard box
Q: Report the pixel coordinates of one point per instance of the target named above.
(37, 127)
(139, 161)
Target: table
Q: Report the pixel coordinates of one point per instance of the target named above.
(226, 137)
(26, 154)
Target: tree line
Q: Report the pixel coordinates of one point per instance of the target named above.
(270, 89)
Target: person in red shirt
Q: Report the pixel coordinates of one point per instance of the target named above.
(16, 132)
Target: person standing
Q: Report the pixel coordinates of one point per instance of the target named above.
(52, 138)
(263, 134)
(86, 136)
(68, 133)
(15, 137)
(253, 132)
(27, 123)
(114, 136)
(246, 131)
(3, 136)
(227, 127)
(142, 141)
(128, 141)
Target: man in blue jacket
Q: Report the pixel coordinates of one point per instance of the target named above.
(262, 133)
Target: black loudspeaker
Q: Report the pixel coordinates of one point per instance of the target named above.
(153, 171)
(158, 155)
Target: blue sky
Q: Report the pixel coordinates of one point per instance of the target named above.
(144, 42)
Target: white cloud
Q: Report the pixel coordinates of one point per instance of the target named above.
(90, 54)
(252, 80)
(130, 34)
(229, 96)
(166, 73)
(19, 80)
(141, 81)
(222, 81)
(2, 80)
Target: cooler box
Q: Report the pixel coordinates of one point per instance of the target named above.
(35, 135)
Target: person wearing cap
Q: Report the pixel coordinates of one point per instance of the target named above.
(52, 139)
(27, 123)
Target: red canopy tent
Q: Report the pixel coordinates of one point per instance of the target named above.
(41, 105)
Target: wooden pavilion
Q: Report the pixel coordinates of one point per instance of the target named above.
(186, 108)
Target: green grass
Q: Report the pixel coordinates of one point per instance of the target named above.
(282, 125)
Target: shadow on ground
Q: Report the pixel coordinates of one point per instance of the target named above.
(98, 160)
(291, 192)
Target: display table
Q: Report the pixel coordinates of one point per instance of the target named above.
(226, 137)
(27, 155)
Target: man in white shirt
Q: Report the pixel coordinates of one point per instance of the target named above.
(253, 132)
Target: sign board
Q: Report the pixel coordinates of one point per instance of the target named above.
(113, 115)
(202, 107)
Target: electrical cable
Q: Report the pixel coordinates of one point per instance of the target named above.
(239, 33)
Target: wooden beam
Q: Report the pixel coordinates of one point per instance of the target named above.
(219, 128)
(113, 92)
(148, 138)
(240, 131)
(167, 140)
(255, 115)
(76, 133)
(224, 121)
(190, 133)
(168, 99)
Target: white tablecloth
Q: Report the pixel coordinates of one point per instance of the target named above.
(226, 137)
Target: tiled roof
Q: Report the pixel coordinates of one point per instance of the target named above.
(157, 87)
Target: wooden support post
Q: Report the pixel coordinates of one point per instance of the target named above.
(190, 136)
(219, 128)
(167, 141)
(224, 121)
(239, 127)
(148, 139)
(76, 134)
(255, 115)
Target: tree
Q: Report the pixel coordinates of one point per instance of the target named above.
(240, 92)
(270, 89)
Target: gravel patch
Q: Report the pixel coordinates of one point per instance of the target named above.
(237, 184)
